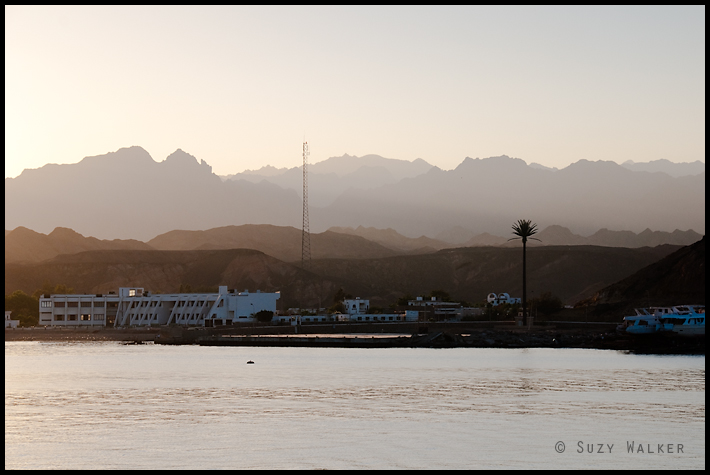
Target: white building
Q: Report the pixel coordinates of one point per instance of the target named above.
(438, 309)
(356, 311)
(9, 322)
(133, 306)
(356, 306)
(502, 298)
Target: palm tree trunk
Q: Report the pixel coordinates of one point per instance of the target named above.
(525, 303)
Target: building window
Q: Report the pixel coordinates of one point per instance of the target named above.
(59, 318)
(72, 304)
(98, 304)
(84, 303)
(85, 316)
(132, 292)
(59, 304)
(71, 318)
(46, 304)
(45, 317)
(98, 316)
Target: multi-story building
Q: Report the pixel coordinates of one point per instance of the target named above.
(133, 306)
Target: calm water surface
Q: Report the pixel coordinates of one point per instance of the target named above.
(102, 405)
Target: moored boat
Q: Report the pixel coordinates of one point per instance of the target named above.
(686, 320)
(646, 320)
(680, 319)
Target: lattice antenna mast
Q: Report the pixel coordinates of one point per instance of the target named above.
(306, 233)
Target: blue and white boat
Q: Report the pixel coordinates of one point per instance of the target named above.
(686, 320)
(681, 319)
(645, 320)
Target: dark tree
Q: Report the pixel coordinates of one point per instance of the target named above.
(264, 316)
(25, 308)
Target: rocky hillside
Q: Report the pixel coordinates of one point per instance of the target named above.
(677, 279)
(166, 271)
(281, 242)
(569, 272)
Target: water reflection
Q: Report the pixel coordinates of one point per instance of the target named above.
(345, 400)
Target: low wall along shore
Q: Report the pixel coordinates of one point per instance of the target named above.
(380, 335)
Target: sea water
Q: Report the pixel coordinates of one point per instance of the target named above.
(104, 405)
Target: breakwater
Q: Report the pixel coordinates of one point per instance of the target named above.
(646, 344)
(386, 335)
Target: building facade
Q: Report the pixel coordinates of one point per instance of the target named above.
(133, 306)
(433, 308)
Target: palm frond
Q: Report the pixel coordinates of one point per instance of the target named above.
(524, 228)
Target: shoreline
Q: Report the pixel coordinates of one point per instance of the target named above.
(491, 336)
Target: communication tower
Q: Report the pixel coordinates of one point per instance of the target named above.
(305, 233)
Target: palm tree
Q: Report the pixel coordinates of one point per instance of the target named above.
(524, 229)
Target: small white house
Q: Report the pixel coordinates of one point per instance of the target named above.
(356, 306)
(502, 298)
(9, 322)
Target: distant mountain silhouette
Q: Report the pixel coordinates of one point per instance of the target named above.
(126, 194)
(488, 195)
(284, 242)
(25, 245)
(330, 178)
(673, 169)
(393, 240)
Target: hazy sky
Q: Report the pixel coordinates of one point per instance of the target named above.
(240, 87)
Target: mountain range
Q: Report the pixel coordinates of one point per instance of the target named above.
(284, 242)
(244, 257)
(554, 235)
(330, 178)
(569, 272)
(127, 195)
